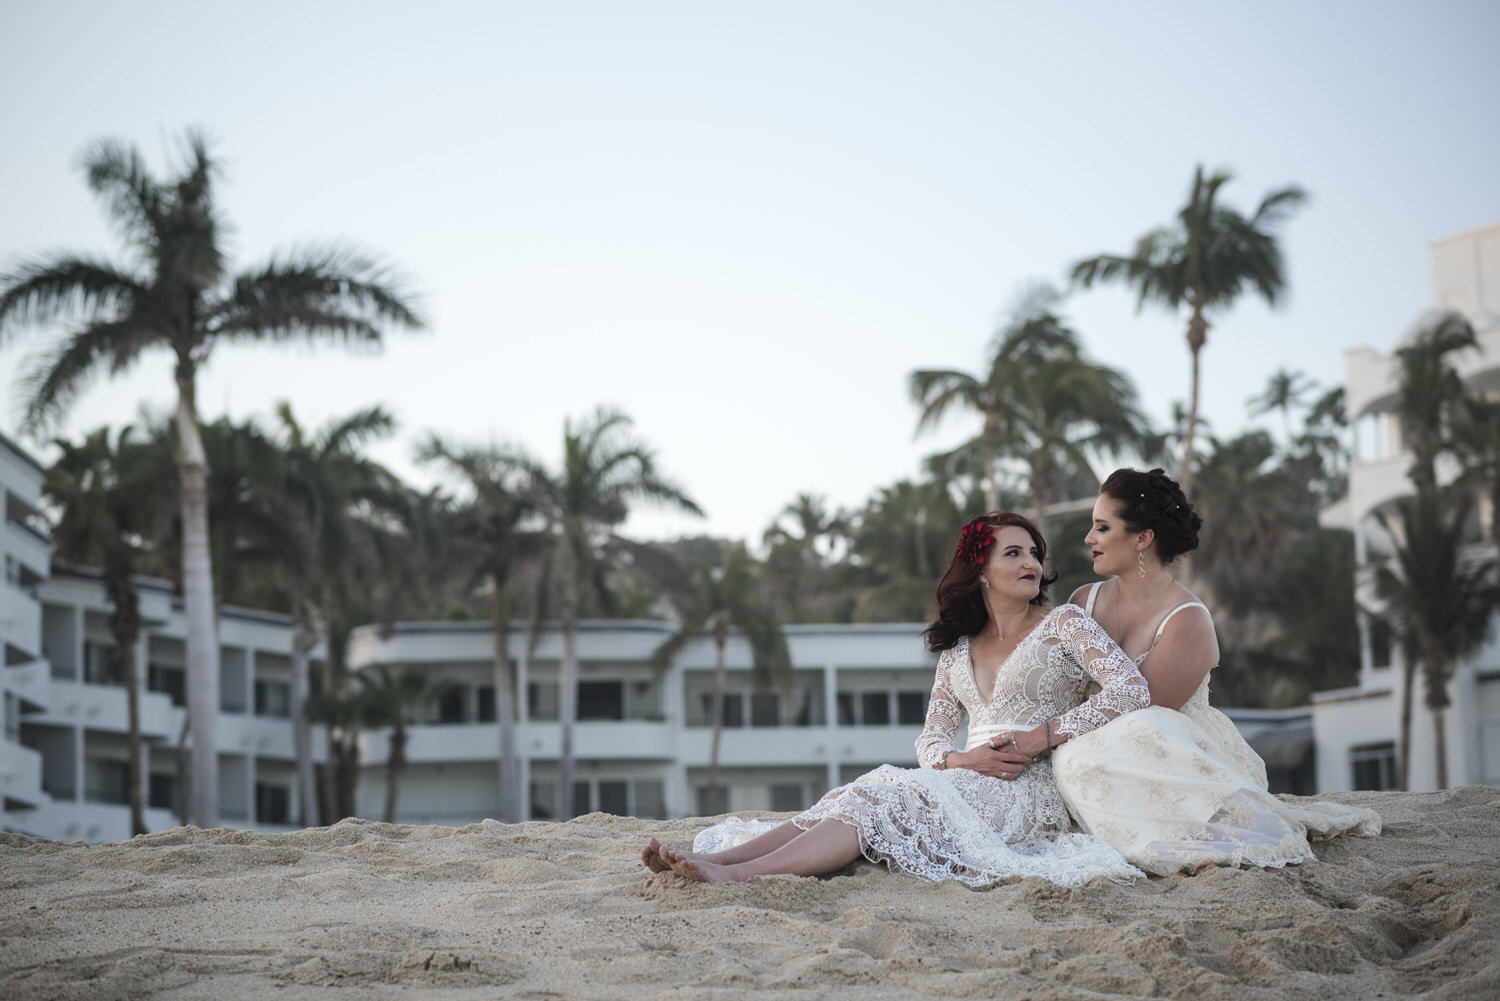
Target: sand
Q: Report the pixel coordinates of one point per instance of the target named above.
(538, 910)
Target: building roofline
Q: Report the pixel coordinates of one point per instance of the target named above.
(21, 453)
(159, 585)
(657, 626)
(1465, 235)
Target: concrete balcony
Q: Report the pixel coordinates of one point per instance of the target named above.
(31, 683)
(1373, 484)
(93, 822)
(637, 740)
(265, 737)
(21, 619)
(799, 746)
(21, 778)
(102, 707)
(26, 546)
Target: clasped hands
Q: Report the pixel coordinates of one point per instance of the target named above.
(1005, 755)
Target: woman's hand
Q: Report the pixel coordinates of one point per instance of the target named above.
(1003, 762)
(1029, 743)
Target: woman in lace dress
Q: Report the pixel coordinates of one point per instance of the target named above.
(1174, 787)
(1018, 673)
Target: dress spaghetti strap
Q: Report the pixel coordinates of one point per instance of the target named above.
(1088, 606)
(1168, 618)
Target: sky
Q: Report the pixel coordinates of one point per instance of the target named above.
(746, 223)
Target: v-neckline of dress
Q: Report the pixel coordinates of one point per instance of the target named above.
(969, 653)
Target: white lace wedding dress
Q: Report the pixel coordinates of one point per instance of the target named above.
(958, 824)
(1177, 789)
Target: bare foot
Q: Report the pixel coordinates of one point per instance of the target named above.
(699, 870)
(651, 857)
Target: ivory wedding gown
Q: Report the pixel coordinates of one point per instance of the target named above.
(958, 824)
(1177, 789)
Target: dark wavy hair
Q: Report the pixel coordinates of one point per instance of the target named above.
(961, 610)
(1154, 500)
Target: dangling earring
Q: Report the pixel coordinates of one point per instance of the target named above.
(1140, 562)
(986, 582)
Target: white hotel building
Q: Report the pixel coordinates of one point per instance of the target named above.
(1356, 729)
(642, 741)
(63, 755)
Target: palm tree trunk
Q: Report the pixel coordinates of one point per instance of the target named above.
(395, 765)
(1438, 672)
(303, 640)
(991, 485)
(1196, 337)
(125, 628)
(1403, 752)
(133, 724)
(505, 707)
(720, 683)
(1440, 745)
(198, 601)
(567, 690)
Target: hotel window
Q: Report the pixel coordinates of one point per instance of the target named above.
(614, 797)
(765, 709)
(451, 707)
(787, 797)
(712, 801)
(162, 792)
(106, 781)
(273, 698)
(102, 665)
(273, 804)
(734, 709)
(541, 701)
(911, 708)
(1373, 766)
(484, 699)
(875, 708)
(601, 700)
(1375, 437)
(170, 681)
(1380, 642)
(650, 799)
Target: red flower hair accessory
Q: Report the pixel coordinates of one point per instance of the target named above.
(975, 541)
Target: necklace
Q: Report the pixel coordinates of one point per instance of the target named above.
(1025, 620)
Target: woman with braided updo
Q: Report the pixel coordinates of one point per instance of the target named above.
(1174, 787)
(1015, 674)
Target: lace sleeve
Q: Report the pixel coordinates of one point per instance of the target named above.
(945, 714)
(1122, 689)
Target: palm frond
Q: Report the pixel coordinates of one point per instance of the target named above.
(53, 380)
(47, 289)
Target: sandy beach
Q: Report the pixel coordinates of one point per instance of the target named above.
(567, 911)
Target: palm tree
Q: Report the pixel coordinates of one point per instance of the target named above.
(491, 548)
(801, 543)
(937, 391)
(1476, 440)
(1283, 391)
(1429, 390)
(1043, 403)
(176, 294)
(108, 496)
(327, 516)
(723, 599)
(899, 546)
(603, 471)
(1440, 597)
(1243, 498)
(398, 700)
(1206, 260)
